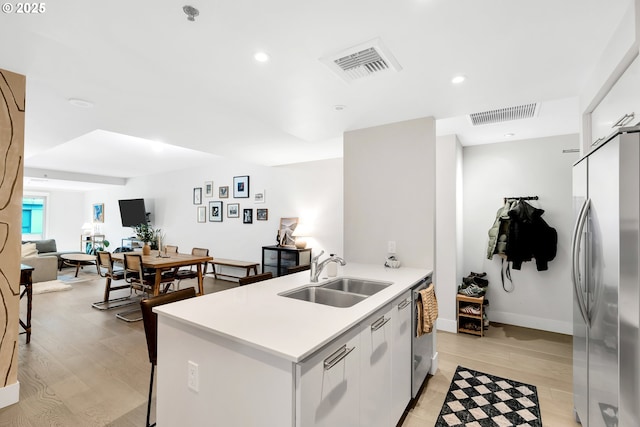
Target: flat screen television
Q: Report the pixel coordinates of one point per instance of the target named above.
(132, 212)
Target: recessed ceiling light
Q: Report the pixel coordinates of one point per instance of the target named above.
(76, 102)
(339, 107)
(509, 135)
(261, 57)
(458, 79)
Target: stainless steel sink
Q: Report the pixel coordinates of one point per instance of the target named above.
(320, 295)
(356, 286)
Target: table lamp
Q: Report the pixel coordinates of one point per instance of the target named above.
(300, 233)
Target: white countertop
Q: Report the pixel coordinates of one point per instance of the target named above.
(257, 316)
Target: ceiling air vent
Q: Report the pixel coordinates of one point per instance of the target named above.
(365, 60)
(504, 114)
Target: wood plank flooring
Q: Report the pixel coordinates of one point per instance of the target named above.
(543, 359)
(85, 368)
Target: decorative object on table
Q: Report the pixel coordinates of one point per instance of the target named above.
(223, 192)
(247, 216)
(146, 234)
(98, 212)
(233, 210)
(482, 399)
(202, 214)
(241, 187)
(299, 235)
(208, 189)
(159, 240)
(285, 232)
(262, 214)
(197, 196)
(392, 262)
(215, 211)
(259, 197)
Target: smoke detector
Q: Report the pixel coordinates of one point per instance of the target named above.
(191, 12)
(500, 115)
(367, 59)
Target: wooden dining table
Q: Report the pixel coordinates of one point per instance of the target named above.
(166, 262)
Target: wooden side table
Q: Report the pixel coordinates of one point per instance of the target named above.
(26, 281)
(467, 318)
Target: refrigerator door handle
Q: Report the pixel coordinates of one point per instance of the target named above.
(576, 241)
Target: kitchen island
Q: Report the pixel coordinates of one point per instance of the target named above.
(247, 356)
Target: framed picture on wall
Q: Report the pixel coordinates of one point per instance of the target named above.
(262, 214)
(202, 214)
(258, 197)
(197, 196)
(208, 189)
(241, 187)
(233, 210)
(223, 192)
(247, 216)
(98, 212)
(215, 211)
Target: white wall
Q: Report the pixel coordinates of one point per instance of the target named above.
(448, 271)
(310, 191)
(389, 192)
(541, 300)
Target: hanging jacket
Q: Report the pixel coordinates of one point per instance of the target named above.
(530, 237)
(495, 230)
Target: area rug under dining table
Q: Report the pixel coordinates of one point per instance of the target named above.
(476, 399)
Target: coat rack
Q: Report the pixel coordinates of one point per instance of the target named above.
(515, 199)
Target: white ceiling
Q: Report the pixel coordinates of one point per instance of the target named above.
(152, 74)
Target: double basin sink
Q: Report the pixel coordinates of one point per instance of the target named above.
(340, 292)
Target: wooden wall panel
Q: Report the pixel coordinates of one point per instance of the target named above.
(12, 103)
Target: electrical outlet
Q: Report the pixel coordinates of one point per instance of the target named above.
(193, 380)
(391, 246)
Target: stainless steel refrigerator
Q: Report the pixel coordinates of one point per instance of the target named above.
(606, 282)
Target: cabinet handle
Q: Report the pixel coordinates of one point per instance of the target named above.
(624, 120)
(404, 304)
(337, 356)
(379, 323)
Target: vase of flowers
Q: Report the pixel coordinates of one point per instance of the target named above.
(147, 234)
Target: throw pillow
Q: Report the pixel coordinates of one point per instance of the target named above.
(29, 250)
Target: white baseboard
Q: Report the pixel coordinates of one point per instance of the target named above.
(434, 364)
(447, 325)
(9, 395)
(531, 322)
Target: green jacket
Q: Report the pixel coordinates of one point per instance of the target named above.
(503, 213)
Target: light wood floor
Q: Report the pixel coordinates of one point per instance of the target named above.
(85, 368)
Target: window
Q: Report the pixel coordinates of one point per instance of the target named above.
(33, 217)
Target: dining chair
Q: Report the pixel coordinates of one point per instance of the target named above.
(139, 281)
(170, 249)
(107, 270)
(150, 320)
(191, 272)
(255, 278)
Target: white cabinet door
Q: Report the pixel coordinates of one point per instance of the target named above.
(328, 385)
(376, 340)
(401, 355)
(621, 105)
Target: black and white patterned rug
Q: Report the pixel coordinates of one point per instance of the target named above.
(476, 399)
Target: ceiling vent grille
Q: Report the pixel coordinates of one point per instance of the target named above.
(365, 60)
(504, 114)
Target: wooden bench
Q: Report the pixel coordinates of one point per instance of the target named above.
(248, 266)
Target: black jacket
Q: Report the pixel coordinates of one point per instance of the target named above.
(530, 237)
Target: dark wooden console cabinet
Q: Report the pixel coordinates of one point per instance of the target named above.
(277, 259)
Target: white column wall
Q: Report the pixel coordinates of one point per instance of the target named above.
(389, 192)
(449, 228)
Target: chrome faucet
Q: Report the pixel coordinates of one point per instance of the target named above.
(316, 268)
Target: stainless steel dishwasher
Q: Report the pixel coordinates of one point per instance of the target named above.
(421, 346)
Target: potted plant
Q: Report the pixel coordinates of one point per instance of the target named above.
(147, 234)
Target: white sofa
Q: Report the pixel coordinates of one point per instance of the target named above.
(45, 267)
